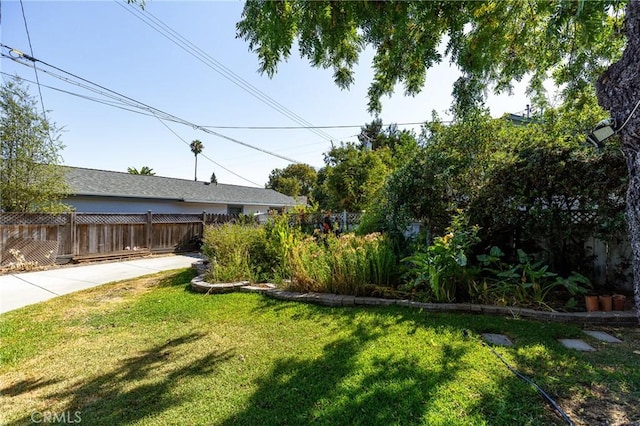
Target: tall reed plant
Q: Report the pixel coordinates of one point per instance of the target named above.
(342, 264)
(236, 252)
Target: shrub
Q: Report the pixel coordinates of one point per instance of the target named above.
(338, 264)
(236, 252)
(525, 282)
(443, 267)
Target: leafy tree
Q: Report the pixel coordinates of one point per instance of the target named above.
(31, 177)
(401, 143)
(144, 170)
(293, 180)
(353, 177)
(196, 147)
(578, 43)
(524, 185)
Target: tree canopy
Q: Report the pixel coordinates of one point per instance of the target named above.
(294, 180)
(490, 42)
(144, 170)
(31, 176)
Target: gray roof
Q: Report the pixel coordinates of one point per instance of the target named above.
(105, 183)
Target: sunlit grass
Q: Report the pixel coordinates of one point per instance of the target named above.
(149, 352)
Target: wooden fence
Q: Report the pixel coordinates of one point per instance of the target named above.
(45, 238)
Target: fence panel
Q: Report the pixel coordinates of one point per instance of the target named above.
(35, 235)
(176, 236)
(107, 238)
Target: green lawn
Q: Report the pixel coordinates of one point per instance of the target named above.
(150, 352)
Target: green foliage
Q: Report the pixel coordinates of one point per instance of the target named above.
(144, 170)
(443, 267)
(525, 282)
(489, 42)
(281, 242)
(236, 252)
(353, 177)
(343, 264)
(535, 186)
(294, 180)
(400, 143)
(280, 251)
(31, 177)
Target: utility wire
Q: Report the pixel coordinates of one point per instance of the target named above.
(35, 70)
(117, 105)
(203, 155)
(135, 103)
(339, 126)
(120, 105)
(89, 98)
(182, 42)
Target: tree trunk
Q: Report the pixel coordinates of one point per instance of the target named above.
(618, 91)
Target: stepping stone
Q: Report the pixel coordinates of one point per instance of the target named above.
(576, 344)
(601, 335)
(497, 339)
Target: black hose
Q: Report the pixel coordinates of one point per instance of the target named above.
(546, 396)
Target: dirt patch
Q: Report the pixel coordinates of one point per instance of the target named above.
(603, 407)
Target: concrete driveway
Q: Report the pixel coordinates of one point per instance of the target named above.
(22, 289)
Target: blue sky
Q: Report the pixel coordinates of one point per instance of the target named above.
(104, 43)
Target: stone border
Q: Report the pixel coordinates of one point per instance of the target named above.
(612, 318)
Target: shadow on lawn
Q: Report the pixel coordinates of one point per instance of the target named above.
(396, 389)
(117, 397)
(25, 386)
(181, 278)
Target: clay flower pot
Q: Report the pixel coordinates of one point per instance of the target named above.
(591, 302)
(605, 303)
(619, 301)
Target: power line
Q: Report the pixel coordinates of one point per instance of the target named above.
(186, 45)
(339, 126)
(35, 70)
(203, 155)
(132, 102)
(113, 104)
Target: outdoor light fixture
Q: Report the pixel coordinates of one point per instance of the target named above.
(603, 131)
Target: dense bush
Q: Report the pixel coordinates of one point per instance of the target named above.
(329, 263)
(236, 252)
(534, 187)
(446, 271)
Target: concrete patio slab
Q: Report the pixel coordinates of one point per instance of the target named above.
(602, 336)
(497, 339)
(576, 344)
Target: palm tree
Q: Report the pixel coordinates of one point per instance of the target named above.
(144, 170)
(196, 148)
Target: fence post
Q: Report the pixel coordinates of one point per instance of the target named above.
(73, 235)
(204, 224)
(345, 223)
(148, 230)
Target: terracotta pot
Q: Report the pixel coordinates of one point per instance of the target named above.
(619, 301)
(591, 303)
(605, 303)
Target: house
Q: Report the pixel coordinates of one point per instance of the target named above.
(102, 191)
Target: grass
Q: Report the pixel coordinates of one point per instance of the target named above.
(149, 352)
